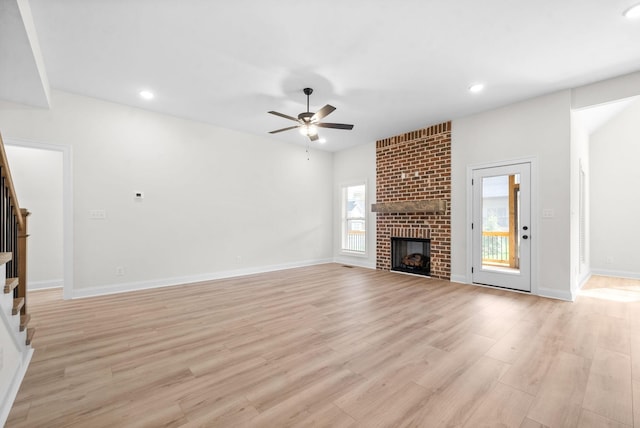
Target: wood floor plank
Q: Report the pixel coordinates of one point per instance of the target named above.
(294, 410)
(509, 346)
(393, 411)
(532, 365)
(609, 388)
(530, 423)
(592, 420)
(636, 402)
(332, 346)
(454, 404)
(635, 354)
(367, 396)
(447, 366)
(559, 399)
(613, 334)
(503, 406)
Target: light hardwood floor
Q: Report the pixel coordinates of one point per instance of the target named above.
(334, 346)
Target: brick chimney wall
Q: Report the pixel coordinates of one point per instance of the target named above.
(424, 157)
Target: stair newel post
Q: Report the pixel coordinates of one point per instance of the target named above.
(22, 259)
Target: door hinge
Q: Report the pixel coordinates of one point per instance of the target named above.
(472, 181)
(471, 226)
(472, 269)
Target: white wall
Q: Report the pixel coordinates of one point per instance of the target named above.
(217, 202)
(538, 128)
(10, 358)
(37, 177)
(14, 356)
(615, 200)
(352, 166)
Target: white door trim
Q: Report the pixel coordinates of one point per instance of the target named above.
(67, 206)
(534, 215)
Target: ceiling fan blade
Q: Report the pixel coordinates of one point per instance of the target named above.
(324, 111)
(334, 125)
(283, 129)
(284, 115)
(314, 137)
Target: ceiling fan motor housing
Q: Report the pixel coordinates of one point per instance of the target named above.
(305, 117)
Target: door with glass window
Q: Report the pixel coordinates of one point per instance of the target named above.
(501, 227)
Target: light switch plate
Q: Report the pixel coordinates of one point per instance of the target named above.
(548, 213)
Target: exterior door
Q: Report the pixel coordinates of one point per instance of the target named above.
(501, 228)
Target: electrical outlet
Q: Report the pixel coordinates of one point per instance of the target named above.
(119, 270)
(97, 214)
(609, 260)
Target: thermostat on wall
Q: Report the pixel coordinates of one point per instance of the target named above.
(138, 195)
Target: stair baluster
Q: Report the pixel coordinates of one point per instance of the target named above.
(13, 239)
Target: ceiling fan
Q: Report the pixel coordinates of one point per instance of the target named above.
(309, 122)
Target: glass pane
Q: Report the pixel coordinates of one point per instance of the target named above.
(500, 213)
(354, 226)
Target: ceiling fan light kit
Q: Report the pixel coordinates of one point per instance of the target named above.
(633, 12)
(309, 122)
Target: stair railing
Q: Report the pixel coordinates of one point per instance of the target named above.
(13, 230)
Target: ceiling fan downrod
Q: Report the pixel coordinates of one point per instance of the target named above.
(307, 92)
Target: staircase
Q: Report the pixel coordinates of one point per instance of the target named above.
(15, 335)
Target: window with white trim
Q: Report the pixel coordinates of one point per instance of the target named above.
(354, 224)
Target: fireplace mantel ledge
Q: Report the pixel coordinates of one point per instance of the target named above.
(428, 206)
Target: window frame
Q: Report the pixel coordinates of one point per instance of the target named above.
(343, 192)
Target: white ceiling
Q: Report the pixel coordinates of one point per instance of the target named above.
(389, 67)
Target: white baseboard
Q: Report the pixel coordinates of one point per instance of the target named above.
(556, 294)
(351, 261)
(461, 279)
(582, 281)
(616, 273)
(43, 285)
(168, 282)
(543, 292)
(12, 392)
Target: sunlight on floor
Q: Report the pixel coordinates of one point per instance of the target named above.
(612, 294)
(625, 290)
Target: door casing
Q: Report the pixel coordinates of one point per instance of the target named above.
(534, 221)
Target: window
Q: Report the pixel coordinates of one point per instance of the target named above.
(354, 225)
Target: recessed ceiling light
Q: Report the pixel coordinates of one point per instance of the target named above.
(476, 87)
(322, 140)
(147, 95)
(633, 12)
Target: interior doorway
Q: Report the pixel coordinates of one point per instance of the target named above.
(50, 244)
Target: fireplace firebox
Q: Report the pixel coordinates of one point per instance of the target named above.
(411, 255)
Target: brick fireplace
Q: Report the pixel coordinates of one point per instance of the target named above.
(413, 194)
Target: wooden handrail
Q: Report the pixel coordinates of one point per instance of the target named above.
(6, 172)
(494, 233)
